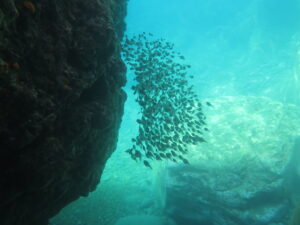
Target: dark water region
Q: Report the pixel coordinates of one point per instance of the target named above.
(245, 58)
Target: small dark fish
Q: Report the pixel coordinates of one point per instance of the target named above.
(149, 148)
(149, 155)
(168, 155)
(162, 155)
(199, 114)
(198, 123)
(203, 122)
(185, 161)
(147, 164)
(209, 104)
(157, 157)
(199, 104)
(199, 139)
(138, 155)
(180, 148)
(174, 160)
(185, 152)
(173, 153)
(174, 144)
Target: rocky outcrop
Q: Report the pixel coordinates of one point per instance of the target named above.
(247, 171)
(61, 102)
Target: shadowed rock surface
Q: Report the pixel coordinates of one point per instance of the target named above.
(61, 102)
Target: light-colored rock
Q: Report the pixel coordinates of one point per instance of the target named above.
(244, 174)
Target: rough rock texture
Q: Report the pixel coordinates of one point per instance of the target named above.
(247, 172)
(61, 102)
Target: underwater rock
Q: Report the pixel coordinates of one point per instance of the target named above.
(246, 173)
(61, 102)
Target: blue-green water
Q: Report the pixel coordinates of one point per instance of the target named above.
(235, 47)
(245, 58)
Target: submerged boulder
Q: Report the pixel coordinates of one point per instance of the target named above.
(246, 173)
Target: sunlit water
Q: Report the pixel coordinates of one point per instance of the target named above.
(245, 58)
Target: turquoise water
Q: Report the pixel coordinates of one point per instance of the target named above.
(234, 47)
(245, 58)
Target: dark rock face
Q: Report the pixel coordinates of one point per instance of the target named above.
(61, 102)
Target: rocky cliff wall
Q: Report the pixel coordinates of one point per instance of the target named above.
(61, 102)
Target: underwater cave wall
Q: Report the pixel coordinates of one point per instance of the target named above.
(61, 102)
